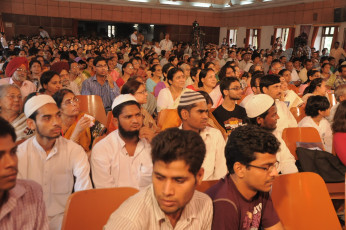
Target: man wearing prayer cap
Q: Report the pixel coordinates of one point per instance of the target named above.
(261, 110)
(57, 164)
(16, 72)
(122, 159)
(193, 112)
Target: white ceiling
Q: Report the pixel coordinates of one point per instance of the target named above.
(199, 5)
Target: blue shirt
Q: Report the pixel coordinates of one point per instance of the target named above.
(92, 87)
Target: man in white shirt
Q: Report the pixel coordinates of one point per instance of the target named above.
(294, 73)
(271, 85)
(193, 111)
(157, 48)
(261, 111)
(43, 33)
(246, 63)
(122, 159)
(303, 74)
(166, 44)
(133, 38)
(337, 52)
(57, 164)
(171, 202)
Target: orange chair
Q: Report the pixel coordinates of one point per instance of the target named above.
(205, 185)
(299, 134)
(332, 99)
(168, 118)
(302, 202)
(298, 112)
(93, 105)
(90, 209)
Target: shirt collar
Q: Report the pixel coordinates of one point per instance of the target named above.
(140, 145)
(13, 196)
(52, 152)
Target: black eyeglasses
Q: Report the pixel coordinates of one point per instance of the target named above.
(268, 169)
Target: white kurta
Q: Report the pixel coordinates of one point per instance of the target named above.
(286, 119)
(55, 172)
(111, 165)
(287, 162)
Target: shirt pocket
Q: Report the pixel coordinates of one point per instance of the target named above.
(61, 184)
(145, 175)
(115, 173)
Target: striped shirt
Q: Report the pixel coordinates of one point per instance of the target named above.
(24, 208)
(142, 211)
(92, 87)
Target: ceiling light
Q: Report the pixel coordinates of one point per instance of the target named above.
(170, 2)
(138, 0)
(200, 4)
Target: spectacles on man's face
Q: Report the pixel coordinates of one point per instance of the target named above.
(268, 169)
(71, 101)
(21, 70)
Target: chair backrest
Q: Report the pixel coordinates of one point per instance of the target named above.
(168, 118)
(299, 134)
(90, 209)
(332, 99)
(93, 105)
(302, 202)
(205, 185)
(298, 113)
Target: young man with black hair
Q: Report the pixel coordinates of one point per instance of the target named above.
(101, 84)
(271, 85)
(21, 201)
(241, 200)
(171, 202)
(230, 115)
(122, 159)
(193, 111)
(57, 164)
(265, 116)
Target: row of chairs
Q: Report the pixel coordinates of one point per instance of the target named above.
(300, 199)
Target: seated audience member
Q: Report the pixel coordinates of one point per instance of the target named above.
(101, 84)
(137, 70)
(57, 164)
(340, 80)
(11, 104)
(340, 96)
(127, 72)
(316, 110)
(303, 74)
(270, 85)
(339, 132)
(50, 82)
(254, 84)
(77, 126)
(312, 74)
(289, 96)
(230, 115)
(286, 74)
(193, 111)
(327, 75)
(164, 83)
(16, 72)
(154, 79)
(63, 68)
(35, 72)
(294, 74)
(316, 87)
(76, 75)
(169, 97)
(207, 80)
(194, 75)
(241, 200)
(261, 111)
(21, 201)
(137, 89)
(171, 202)
(122, 158)
(187, 72)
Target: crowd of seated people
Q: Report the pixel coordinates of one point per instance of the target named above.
(221, 96)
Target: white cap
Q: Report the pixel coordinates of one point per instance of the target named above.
(122, 98)
(36, 102)
(258, 104)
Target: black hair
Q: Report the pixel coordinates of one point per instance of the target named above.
(223, 70)
(117, 110)
(74, 53)
(171, 73)
(125, 64)
(7, 129)
(171, 58)
(281, 73)
(313, 85)
(46, 77)
(206, 65)
(207, 97)
(165, 69)
(268, 80)
(247, 140)
(131, 86)
(315, 104)
(254, 78)
(59, 96)
(226, 82)
(193, 72)
(339, 121)
(98, 59)
(176, 144)
(34, 61)
(153, 68)
(202, 75)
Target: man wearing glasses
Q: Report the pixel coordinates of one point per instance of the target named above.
(230, 115)
(241, 200)
(101, 84)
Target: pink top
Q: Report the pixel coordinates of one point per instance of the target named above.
(339, 143)
(120, 82)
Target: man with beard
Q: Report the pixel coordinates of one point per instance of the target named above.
(266, 117)
(101, 84)
(230, 115)
(171, 202)
(21, 201)
(122, 159)
(16, 72)
(241, 200)
(193, 111)
(57, 164)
